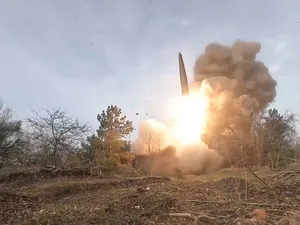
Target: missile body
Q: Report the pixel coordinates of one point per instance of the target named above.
(183, 77)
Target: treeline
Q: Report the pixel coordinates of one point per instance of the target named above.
(276, 140)
(52, 138)
(269, 138)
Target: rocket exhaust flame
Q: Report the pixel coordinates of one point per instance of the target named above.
(183, 77)
(214, 116)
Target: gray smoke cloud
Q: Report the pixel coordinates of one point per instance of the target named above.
(238, 87)
(235, 68)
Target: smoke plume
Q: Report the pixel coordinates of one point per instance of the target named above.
(236, 69)
(237, 87)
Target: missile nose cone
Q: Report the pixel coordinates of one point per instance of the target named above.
(183, 76)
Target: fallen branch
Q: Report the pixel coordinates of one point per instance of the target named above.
(295, 160)
(206, 201)
(238, 202)
(186, 215)
(181, 215)
(257, 177)
(283, 211)
(285, 174)
(271, 191)
(266, 204)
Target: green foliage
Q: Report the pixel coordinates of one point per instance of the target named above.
(109, 163)
(112, 122)
(126, 146)
(114, 127)
(89, 147)
(104, 147)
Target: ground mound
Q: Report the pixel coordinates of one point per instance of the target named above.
(29, 176)
(210, 199)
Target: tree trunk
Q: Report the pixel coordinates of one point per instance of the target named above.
(109, 149)
(109, 145)
(54, 158)
(278, 158)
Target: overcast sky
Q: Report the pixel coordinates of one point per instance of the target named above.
(82, 55)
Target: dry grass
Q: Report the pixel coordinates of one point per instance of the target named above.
(217, 198)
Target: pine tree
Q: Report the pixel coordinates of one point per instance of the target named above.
(114, 127)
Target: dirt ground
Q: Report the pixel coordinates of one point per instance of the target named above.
(225, 197)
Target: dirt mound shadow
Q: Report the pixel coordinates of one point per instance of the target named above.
(45, 173)
(55, 191)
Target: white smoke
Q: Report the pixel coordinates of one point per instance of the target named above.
(153, 136)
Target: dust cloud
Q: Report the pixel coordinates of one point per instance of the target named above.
(152, 137)
(237, 87)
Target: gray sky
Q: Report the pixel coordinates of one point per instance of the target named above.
(83, 55)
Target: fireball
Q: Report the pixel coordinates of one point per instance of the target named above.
(190, 116)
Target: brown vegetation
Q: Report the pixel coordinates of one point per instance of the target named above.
(224, 197)
(100, 181)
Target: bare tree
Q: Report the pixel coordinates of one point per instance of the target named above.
(10, 133)
(279, 133)
(151, 137)
(57, 132)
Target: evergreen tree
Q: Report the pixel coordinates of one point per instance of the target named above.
(114, 127)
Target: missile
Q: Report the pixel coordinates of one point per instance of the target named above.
(183, 77)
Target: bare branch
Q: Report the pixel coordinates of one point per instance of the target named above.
(57, 131)
(10, 132)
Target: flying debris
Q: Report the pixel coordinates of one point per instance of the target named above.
(183, 77)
